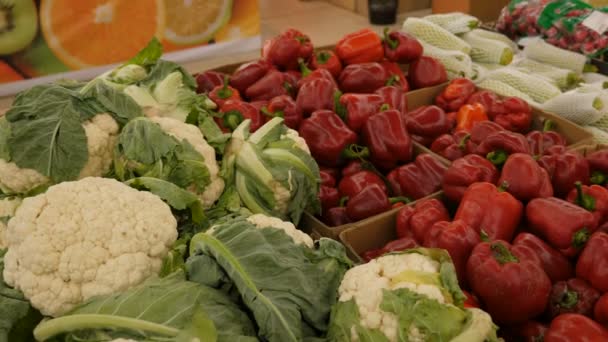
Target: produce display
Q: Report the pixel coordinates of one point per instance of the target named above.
(149, 204)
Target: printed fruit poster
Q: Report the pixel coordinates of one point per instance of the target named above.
(46, 40)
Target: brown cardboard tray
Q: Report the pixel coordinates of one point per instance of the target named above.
(586, 149)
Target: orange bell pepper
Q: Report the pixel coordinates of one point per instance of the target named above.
(468, 115)
(363, 46)
(8, 74)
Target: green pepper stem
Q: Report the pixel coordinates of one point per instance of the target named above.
(323, 57)
(232, 119)
(304, 69)
(392, 80)
(340, 109)
(399, 199)
(225, 92)
(580, 238)
(343, 201)
(569, 300)
(484, 236)
(497, 157)
(384, 107)
(598, 177)
(584, 200)
(502, 254)
(392, 43)
(548, 125)
(463, 142)
(354, 151)
(503, 186)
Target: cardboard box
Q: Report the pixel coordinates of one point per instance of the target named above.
(483, 9)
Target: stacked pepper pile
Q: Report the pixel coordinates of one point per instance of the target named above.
(349, 104)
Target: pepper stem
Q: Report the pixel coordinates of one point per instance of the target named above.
(399, 199)
(225, 92)
(304, 69)
(354, 151)
(598, 177)
(339, 108)
(232, 119)
(584, 200)
(484, 236)
(323, 57)
(392, 80)
(463, 142)
(548, 125)
(497, 157)
(503, 187)
(384, 107)
(392, 43)
(579, 239)
(568, 300)
(343, 201)
(502, 254)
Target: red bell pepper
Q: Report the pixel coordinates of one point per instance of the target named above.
(372, 200)
(541, 141)
(499, 145)
(482, 129)
(418, 179)
(336, 216)
(352, 167)
(592, 265)
(471, 301)
(415, 221)
(455, 95)
(328, 60)
(401, 47)
(328, 137)
(489, 100)
(426, 72)
(355, 109)
(563, 225)
(600, 312)
(517, 116)
(598, 163)
(464, 172)
(490, 211)
(273, 84)
(509, 281)
(422, 140)
(234, 112)
(314, 95)
(427, 121)
(387, 138)
(309, 75)
(555, 264)
(529, 331)
(468, 115)
(525, 178)
(458, 238)
(331, 171)
(329, 197)
(208, 80)
(287, 48)
(572, 296)
(353, 184)
(362, 78)
(259, 105)
(565, 169)
(327, 178)
(593, 198)
(285, 107)
(575, 328)
(393, 246)
(395, 76)
(222, 93)
(394, 97)
(453, 146)
(249, 73)
(363, 46)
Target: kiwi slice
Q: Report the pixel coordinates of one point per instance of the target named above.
(18, 25)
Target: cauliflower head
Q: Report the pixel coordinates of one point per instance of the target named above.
(101, 132)
(8, 206)
(85, 238)
(413, 293)
(298, 236)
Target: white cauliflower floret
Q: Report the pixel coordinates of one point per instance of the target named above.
(298, 236)
(364, 284)
(191, 133)
(300, 142)
(8, 207)
(101, 132)
(85, 238)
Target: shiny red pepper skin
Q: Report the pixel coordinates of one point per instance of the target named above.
(331, 171)
(453, 146)
(490, 211)
(517, 116)
(273, 84)
(327, 179)
(593, 198)
(600, 312)
(598, 163)
(352, 167)
(563, 225)
(466, 171)
(372, 200)
(329, 197)
(541, 141)
(426, 72)
(592, 264)
(415, 221)
(309, 75)
(509, 281)
(353, 184)
(327, 136)
(328, 60)
(393, 246)
(362, 78)
(395, 76)
(458, 238)
(249, 73)
(401, 47)
(555, 264)
(501, 144)
(565, 169)
(208, 80)
(357, 108)
(525, 178)
(471, 301)
(387, 138)
(314, 95)
(363, 46)
(287, 48)
(481, 130)
(234, 112)
(455, 95)
(575, 328)
(336, 216)
(418, 179)
(427, 121)
(402, 222)
(572, 296)
(222, 93)
(394, 97)
(489, 100)
(529, 331)
(285, 107)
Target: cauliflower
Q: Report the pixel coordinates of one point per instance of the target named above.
(263, 221)
(8, 206)
(101, 132)
(85, 238)
(300, 142)
(405, 293)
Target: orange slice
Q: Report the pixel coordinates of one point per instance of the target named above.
(244, 23)
(86, 33)
(195, 21)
